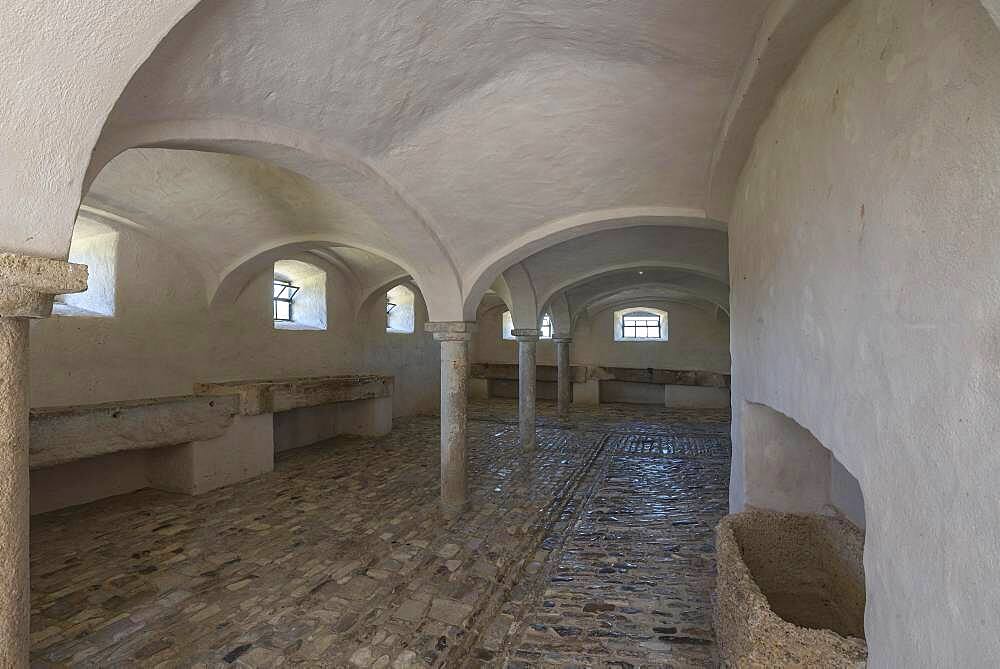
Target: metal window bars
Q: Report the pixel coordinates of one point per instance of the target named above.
(640, 327)
(546, 329)
(284, 294)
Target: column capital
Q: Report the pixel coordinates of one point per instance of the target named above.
(562, 338)
(451, 330)
(526, 334)
(28, 284)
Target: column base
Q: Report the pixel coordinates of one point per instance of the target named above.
(451, 511)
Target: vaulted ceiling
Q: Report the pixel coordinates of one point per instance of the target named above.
(451, 139)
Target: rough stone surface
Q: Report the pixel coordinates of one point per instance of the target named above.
(66, 434)
(790, 591)
(527, 388)
(454, 338)
(274, 395)
(564, 387)
(583, 373)
(627, 573)
(13, 492)
(508, 372)
(664, 376)
(28, 284)
(338, 558)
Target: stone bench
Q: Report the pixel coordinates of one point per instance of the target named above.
(790, 591)
(307, 410)
(186, 444)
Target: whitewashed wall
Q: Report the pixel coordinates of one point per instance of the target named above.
(698, 341)
(865, 269)
(164, 337)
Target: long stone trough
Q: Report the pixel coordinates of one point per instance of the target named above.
(225, 433)
(307, 410)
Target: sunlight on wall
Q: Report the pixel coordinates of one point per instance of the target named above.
(399, 310)
(96, 246)
(309, 303)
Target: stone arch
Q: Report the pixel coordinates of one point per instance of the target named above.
(716, 285)
(521, 299)
(647, 291)
(89, 60)
(558, 308)
(372, 294)
(560, 230)
(619, 299)
(325, 163)
(502, 292)
(227, 288)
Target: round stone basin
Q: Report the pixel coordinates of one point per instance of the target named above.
(790, 591)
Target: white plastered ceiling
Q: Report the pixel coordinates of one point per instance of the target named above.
(449, 137)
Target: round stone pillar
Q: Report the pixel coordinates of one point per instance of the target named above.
(564, 384)
(14, 594)
(27, 286)
(527, 343)
(454, 338)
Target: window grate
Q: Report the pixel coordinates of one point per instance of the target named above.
(284, 295)
(546, 329)
(641, 327)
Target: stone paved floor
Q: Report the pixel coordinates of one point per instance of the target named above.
(595, 551)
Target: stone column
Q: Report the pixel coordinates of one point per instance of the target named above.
(27, 286)
(454, 338)
(527, 342)
(564, 385)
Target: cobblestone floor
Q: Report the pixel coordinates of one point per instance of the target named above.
(595, 551)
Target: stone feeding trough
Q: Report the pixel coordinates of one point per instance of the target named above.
(306, 410)
(258, 396)
(790, 591)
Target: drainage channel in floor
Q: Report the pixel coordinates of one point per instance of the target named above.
(627, 582)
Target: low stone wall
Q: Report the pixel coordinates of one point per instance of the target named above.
(696, 397)
(585, 373)
(667, 377)
(790, 591)
(594, 384)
